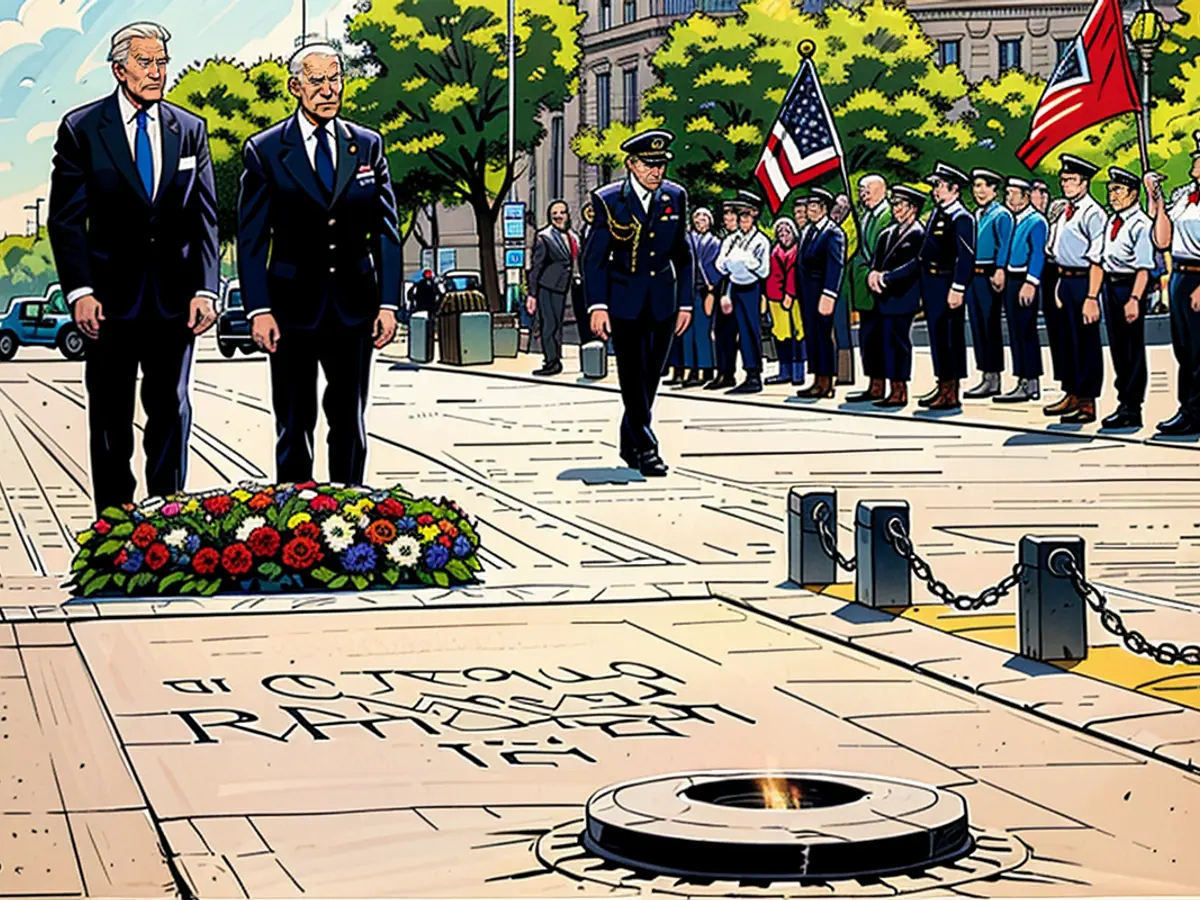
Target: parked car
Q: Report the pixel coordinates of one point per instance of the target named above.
(40, 322)
(461, 280)
(233, 328)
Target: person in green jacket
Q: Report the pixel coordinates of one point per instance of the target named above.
(876, 215)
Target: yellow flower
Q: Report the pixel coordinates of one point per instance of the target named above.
(191, 506)
(85, 537)
(240, 495)
(298, 519)
(428, 532)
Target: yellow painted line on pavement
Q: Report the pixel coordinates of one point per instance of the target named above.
(1112, 664)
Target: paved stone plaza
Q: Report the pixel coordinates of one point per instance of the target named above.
(443, 743)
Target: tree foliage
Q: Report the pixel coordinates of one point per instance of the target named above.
(26, 266)
(440, 97)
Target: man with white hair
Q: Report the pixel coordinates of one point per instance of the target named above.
(876, 216)
(133, 227)
(319, 259)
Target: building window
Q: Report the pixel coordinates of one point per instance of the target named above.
(556, 158)
(603, 100)
(629, 11)
(1010, 55)
(605, 15)
(948, 53)
(630, 81)
(1062, 46)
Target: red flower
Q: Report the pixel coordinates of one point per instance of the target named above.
(218, 506)
(102, 527)
(260, 501)
(426, 519)
(306, 486)
(237, 559)
(206, 560)
(381, 531)
(448, 528)
(322, 503)
(263, 541)
(157, 556)
(445, 542)
(301, 553)
(143, 536)
(120, 559)
(308, 530)
(391, 508)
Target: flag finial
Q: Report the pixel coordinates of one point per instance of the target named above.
(807, 48)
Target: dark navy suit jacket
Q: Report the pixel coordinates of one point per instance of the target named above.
(300, 253)
(947, 254)
(628, 269)
(822, 260)
(136, 254)
(896, 254)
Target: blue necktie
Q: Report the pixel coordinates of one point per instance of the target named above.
(143, 157)
(324, 161)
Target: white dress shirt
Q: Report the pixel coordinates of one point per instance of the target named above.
(1131, 250)
(309, 131)
(745, 257)
(1185, 217)
(1081, 237)
(129, 115)
(643, 193)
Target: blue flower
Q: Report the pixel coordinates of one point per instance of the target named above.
(462, 546)
(184, 561)
(379, 496)
(359, 559)
(407, 523)
(133, 561)
(437, 556)
(192, 544)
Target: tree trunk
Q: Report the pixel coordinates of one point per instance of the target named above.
(485, 230)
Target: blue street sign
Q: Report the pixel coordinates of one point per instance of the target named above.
(514, 259)
(514, 229)
(514, 211)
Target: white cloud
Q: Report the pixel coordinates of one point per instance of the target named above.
(12, 209)
(36, 17)
(41, 131)
(5, 166)
(26, 83)
(280, 41)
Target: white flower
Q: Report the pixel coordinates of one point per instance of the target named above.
(248, 525)
(404, 550)
(176, 537)
(307, 494)
(339, 534)
(150, 504)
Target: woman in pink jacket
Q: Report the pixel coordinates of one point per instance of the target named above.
(781, 293)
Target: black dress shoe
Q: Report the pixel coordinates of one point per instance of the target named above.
(651, 465)
(752, 385)
(1180, 424)
(550, 369)
(1123, 418)
(721, 381)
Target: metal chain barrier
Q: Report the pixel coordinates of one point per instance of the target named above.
(1062, 562)
(989, 596)
(828, 541)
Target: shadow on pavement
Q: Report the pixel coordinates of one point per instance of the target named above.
(857, 614)
(1034, 439)
(1031, 667)
(615, 475)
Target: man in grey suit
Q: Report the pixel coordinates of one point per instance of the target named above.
(553, 273)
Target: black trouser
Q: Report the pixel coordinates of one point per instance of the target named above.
(641, 347)
(551, 310)
(1054, 324)
(986, 336)
(896, 341)
(818, 329)
(1022, 328)
(1126, 341)
(747, 300)
(583, 321)
(871, 342)
(1082, 356)
(163, 348)
(725, 339)
(344, 354)
(1185, 337)
(947, 328)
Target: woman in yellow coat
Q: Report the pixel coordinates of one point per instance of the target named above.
(786, 326)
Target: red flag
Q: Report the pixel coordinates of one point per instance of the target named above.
(1093, 82)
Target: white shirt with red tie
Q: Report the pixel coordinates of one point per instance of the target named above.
(1185, 216)
(1078, 233)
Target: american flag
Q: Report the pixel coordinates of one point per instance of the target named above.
(803, 144)
(1093, 82)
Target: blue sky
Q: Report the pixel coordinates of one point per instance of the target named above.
(52, 59)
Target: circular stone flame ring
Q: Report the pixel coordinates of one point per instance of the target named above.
(703, 825)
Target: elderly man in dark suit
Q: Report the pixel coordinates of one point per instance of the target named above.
(319, 258)
(133, 227)
(822, 265)
(553, 272)
(639, 276)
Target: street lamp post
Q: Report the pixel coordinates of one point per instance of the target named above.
(512, 96)
(1146, 36)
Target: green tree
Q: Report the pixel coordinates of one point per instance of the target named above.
(26, 266)
(440, 98)
(722, 83)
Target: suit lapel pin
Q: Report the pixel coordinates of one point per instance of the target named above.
(353, 148)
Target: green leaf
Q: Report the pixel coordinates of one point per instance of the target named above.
(323, 574)
(80, 563)
(441, 579)
(458, 569)
(122, 531)
(189, 586)
(119, 579)
(360, 582)
(391, 576)
(115, 514)
(109, 548)
(140, 580)
(424, 577)
(170, 581)
(338, 583)
(212, 587)
(473, 563)
(270, 570)
(96, 584)
(87, 576)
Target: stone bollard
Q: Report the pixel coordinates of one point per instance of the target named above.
(420, 337)
(883, 578)
(1051, 616)
(808, 563)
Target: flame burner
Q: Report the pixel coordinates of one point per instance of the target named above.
(776, 825)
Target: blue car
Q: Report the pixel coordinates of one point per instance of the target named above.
(40, 322)
(233, 328)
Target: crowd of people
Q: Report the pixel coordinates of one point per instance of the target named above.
(1018, 257)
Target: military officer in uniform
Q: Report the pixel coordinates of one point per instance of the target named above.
(1077, 233)
(821, 266)
(985, 293)
(947, 264)
(725, 329)
(895, 278)
(872, 191)
(1026, 263)
(639, 277)
(1120, 273)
